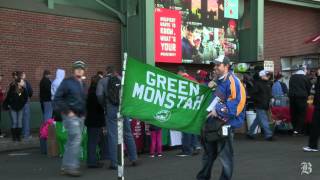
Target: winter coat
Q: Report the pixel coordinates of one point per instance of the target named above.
(60, 74)
(16, 100)
(45, 90)
(262, 94)
(95, 112)
(299, 85)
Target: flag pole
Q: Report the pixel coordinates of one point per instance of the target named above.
(120, 124)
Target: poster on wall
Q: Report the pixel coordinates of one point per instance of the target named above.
(205, 31)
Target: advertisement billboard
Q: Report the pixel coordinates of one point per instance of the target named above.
(205, 31)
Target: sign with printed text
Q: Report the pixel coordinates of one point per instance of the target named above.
(231, 9)
(268, 66)
(167, 35)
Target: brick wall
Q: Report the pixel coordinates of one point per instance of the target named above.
(286, 29)
(32, 42)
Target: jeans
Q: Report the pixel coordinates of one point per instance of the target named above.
(223, 151)
(16, 118)
(47, 110)
(26, 120)
(71, 156)
(112, 133)
(262, 120)
(298, 110)
(95, 137)
(315, 128)
(189, 143)
(156, 142)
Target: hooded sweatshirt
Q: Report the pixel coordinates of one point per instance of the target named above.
(60, 74)
(299, 85)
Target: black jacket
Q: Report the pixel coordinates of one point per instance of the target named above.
(262, 94)
(45, 90)
(316, 101)
(28, 88)
(71, 96)
(95, 112)
(16, 100)
(299, 86)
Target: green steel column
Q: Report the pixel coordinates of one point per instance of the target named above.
(149, 26)
(51, 4)
(260, 30)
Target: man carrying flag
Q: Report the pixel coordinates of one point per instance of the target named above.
(228, 108)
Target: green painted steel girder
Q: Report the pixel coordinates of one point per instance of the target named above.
(304, 3)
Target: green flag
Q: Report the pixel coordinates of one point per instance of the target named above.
(164, 99)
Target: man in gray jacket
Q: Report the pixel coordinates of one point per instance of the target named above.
(108, 91)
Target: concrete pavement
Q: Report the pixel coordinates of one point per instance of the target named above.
(254, 160)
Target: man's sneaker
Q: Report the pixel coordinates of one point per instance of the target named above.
(113, 167)
(152, 156)
(309, 149)
(160, 155)
(183, 154)
(70, 172)
(250, 137)
(270, 138)
(196, 152)
(134, 163)
(98, 165)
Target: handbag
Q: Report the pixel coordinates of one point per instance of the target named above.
(212, 131)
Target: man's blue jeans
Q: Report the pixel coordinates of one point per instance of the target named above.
(190, 142)
(112, 133)
(71, 156)
(26, 120)
(47, 110)
(213, 150)
(96, 137)
(262, 120)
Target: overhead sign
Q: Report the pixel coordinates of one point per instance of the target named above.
(231, 9)
(167, 35)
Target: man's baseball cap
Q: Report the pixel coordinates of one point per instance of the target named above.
(79, 65)
(263, 73)
(222, 59)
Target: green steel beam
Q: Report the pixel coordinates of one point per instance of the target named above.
(51, 4)
(120, 15)
(260, 31)
(304, 3)
(149, 26)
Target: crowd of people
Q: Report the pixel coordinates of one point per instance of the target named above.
(70, 100)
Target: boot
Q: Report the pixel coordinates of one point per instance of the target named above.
(18, 133)
(13, 134)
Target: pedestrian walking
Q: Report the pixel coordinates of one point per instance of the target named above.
(108, 93)
(261, 95)
(15, 101)
(156, 141)
(70, 102)
(227, 109)
(45, 96)
(96, 127)
(315, 126)
(26, 109)
(299, 90)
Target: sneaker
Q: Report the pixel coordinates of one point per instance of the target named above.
(98, 165)
(270, 138)
(70, 172)
(152, 156)
(182, 155)
(113, 167)
(309, 149)
(250, 137)
(160, 155)
(134, 163)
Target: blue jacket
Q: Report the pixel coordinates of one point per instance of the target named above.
(71, 96)
(277, 89)
(232, 93)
